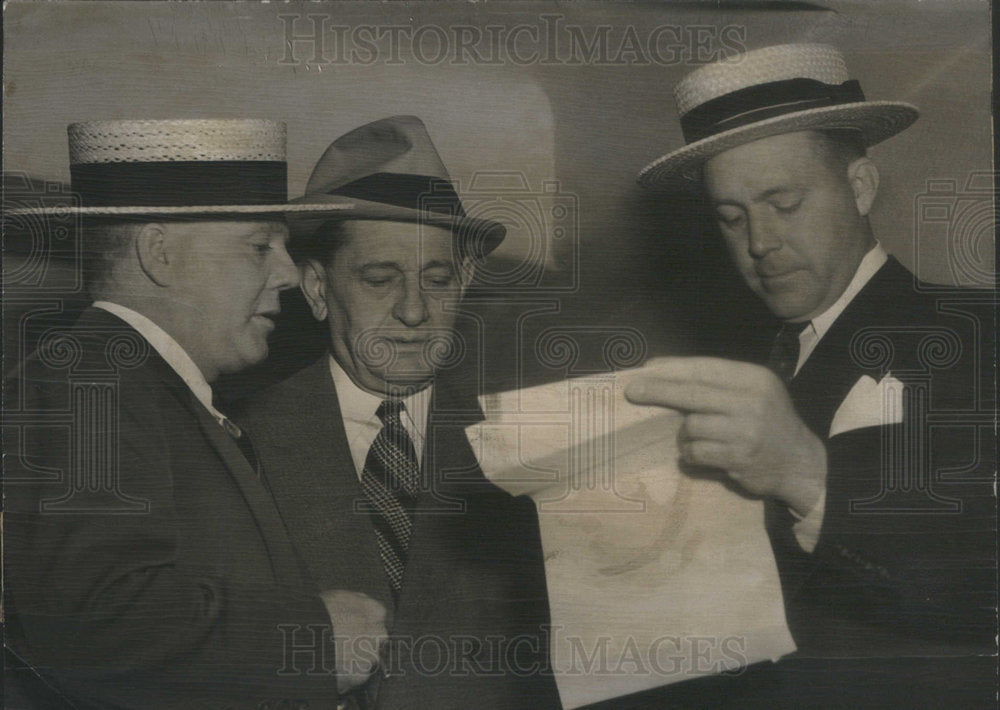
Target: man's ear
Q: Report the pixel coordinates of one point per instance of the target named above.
(153, 250)
(314, 287)
(863, 176)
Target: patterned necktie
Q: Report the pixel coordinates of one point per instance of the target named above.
(247, 448)
(241, 438)
(391, 480)
(784, 355)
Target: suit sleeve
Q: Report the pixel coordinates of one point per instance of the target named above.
(904, 552)
(110, 610)
(905, 563)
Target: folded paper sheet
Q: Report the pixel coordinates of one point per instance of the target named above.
(655, 576)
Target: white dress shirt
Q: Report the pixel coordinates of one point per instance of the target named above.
(808, 528)
(171, 351)
(812, 333)
(361, 423)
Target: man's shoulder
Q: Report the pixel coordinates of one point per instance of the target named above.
(99, 349)
(896, 296)
(95, 340)
(911, 328)
(290, 399)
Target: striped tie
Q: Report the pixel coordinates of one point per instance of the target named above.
(390, 480)
(784, 355)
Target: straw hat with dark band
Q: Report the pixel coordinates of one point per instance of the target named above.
(178, 167)
(781, 89)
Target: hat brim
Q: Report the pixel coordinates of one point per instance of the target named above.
(138, 211)
(876, 120)
(479, 237)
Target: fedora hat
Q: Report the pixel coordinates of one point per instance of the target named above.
(176, 167)
(765, 92)
(389, 170)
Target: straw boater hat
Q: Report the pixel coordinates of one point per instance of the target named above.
(781, 89)
(389, 170)
(199, 167)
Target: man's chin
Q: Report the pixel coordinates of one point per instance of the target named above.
(245, 359)
(401, 383)
(786, 306)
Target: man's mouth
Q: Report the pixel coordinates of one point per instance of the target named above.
(407, 342)
(774, 274)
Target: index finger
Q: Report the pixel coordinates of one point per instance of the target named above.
(685, 396)
(710, 371)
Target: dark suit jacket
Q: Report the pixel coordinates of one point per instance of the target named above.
(897, 599)
(906, 558)
(468, 630)
(146, 565)
(895, 606)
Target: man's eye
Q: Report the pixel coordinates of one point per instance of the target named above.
(377, 281)
(787, 206)
(438, 282)
(730, 219)
(262, 248)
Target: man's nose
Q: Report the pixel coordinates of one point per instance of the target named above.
(411, 307)
(763, 235)
(284, 273)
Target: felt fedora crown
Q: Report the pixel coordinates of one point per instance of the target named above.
(765, 92)
(177, 167)
(390, 170)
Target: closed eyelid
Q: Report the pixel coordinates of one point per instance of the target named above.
(377, 270)
(728, 213)
(438, 272)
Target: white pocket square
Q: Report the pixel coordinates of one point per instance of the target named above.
(869, 403)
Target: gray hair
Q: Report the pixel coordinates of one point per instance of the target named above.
(105, 242)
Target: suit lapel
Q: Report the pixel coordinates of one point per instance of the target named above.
(257, 498)
(831, 370)
(311, 473)
(265, 513)
(442, 506)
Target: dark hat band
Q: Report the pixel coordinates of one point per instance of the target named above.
(181, 183)
(762, 101)
(418, 192)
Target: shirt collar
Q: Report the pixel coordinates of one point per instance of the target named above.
(869, 266)
(359, 405)
(171, 352)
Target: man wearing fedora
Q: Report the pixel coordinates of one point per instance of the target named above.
(146, 565)
(882, 523)
(365, 449)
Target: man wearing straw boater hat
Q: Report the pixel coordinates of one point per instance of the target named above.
(365, 448)
(882, 551)
(146, 563)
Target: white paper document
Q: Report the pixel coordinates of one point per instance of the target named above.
(654, 576)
